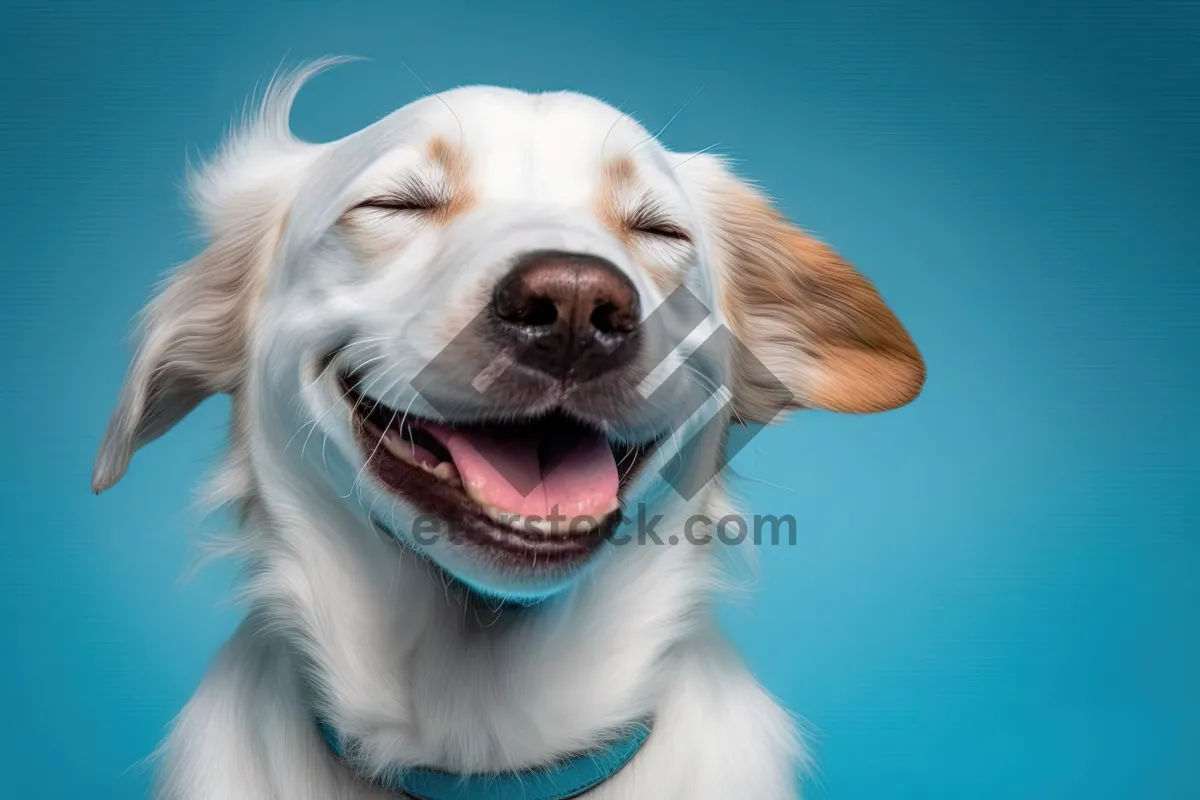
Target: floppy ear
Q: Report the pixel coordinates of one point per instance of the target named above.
(194, 332)
(192, 346)
(821, 335)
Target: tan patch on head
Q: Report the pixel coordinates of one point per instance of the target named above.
(450, 200)
(456, 167)
(815, 322)
(619, 174)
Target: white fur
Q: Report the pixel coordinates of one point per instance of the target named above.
(396, 658)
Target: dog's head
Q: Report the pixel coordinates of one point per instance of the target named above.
(493, 318)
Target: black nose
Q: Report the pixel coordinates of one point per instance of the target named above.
(569, 315)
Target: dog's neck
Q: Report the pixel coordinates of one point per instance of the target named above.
(419, 673)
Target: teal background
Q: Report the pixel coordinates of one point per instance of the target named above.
(994, 593)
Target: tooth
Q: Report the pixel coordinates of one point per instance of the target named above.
(396, 445)
(447, 472)
(559, 525)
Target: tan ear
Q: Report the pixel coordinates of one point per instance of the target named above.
(192, 346)
(194, 334)
(811, 320)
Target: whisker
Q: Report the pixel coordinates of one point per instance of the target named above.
(329, 408)
(620, 116)
(317, 422)
(697, 153)
(672, 119)
(392, 515)
(461, 135)
(707, 383)
(371, 511)
(348, 348)
(383, 436)
(404, 419)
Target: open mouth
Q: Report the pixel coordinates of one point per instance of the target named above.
(542, 491)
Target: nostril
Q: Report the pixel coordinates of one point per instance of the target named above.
(533, 312)
(608, 318)
(517, 302)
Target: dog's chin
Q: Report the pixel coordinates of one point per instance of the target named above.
(481, 576)
(513, 511)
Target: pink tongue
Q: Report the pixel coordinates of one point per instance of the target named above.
(580, 479)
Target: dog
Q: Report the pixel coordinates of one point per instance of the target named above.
(466, 347)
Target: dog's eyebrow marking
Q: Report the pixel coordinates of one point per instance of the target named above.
(619, 176)
(620, 171)
(455, 167)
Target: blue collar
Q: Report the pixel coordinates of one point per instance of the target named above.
(561, 780)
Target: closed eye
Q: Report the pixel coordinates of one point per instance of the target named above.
(398, 203)
(411, 196)
(649, 220)
(664, 231)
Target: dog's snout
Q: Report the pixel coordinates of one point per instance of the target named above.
(583, 295)
(569, 314)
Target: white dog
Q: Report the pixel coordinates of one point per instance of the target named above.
(470, 349)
